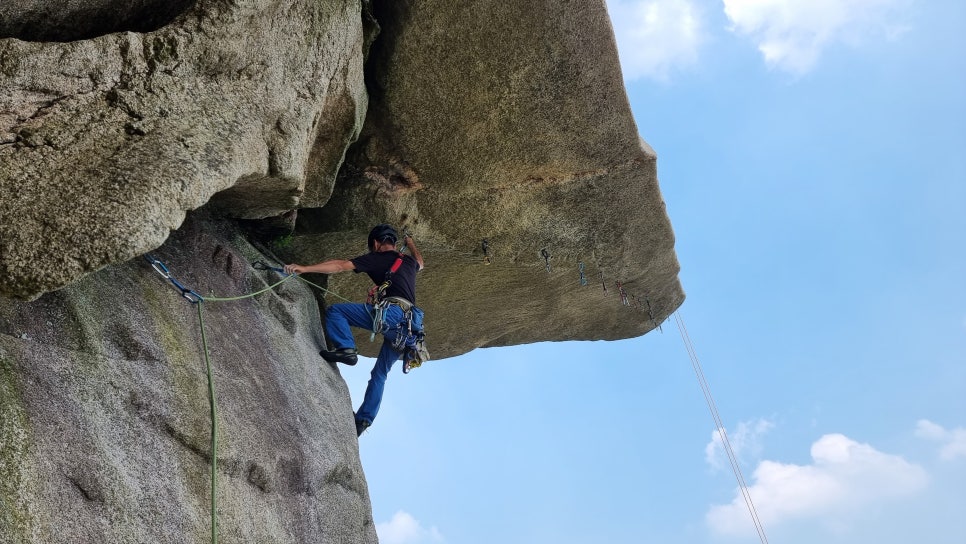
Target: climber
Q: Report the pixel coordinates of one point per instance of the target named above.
(391, 310)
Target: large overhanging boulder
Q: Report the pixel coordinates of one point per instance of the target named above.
(495, 120)
(105, 142)
(506, 121)
(503, 121)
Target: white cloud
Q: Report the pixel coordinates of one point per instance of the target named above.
(745, 442)
(405, 529)
(845, 478)
(656, 37)
(953, 442)
(791, 34)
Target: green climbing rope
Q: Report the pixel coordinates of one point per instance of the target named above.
(213, 408)
(211, 298)
(323, 289)
(211, 396)
(194, 298)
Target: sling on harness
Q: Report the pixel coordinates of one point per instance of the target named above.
(408, 341)
(376, 295)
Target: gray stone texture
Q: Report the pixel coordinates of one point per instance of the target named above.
(106, 142)
(491, 119)
(506, 121)
(104, 418)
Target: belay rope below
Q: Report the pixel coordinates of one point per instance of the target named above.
(194, 298)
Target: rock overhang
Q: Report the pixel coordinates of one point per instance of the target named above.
(507, 122)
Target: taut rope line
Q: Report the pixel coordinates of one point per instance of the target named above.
(706, 389)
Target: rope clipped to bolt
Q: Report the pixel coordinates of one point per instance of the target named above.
(196, 299)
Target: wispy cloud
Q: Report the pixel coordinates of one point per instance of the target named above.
(845, 478)
(792, 34)
(405, 529)
(745, 442)
(953, 442)
(656, 37)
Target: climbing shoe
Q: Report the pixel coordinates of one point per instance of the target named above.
(361, 426)
(346, 356)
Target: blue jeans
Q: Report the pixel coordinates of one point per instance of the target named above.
(338, 320)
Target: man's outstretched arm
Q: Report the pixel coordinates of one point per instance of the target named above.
(325, 267)
(408, 240)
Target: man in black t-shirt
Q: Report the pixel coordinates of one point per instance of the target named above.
(400, 297)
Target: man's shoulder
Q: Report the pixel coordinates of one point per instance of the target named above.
(365, 261)
(375, 259)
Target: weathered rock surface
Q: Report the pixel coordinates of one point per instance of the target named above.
(504, 121)
(104, 419)
(106, 142)
(67, 20)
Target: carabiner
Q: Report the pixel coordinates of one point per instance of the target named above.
(158, 267)
(261, 265)
(192, 297)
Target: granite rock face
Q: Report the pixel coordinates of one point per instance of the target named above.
(104, 417)
(105, 142)
(498, 133)
(506, 121)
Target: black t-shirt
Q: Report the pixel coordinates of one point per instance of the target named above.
(376, 265)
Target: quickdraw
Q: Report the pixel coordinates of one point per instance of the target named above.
(623, 293)
(583, 278)
(261, 265)
(159, 267)
(546, 257)
(651, 315)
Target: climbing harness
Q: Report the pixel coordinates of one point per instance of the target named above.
(377, 292)
(583, 278)
(410, 342)
(546, 257)
(375, 298)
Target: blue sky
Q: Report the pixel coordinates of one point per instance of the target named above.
(813, 160)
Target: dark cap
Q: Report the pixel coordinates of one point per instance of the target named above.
(382, 233)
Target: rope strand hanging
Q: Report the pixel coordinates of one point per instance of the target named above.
(719, 425)
(194, 298)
